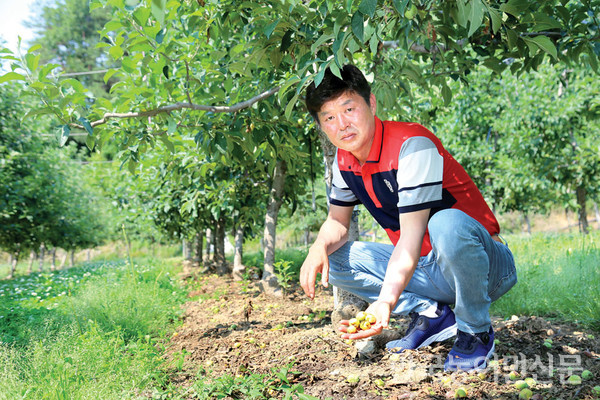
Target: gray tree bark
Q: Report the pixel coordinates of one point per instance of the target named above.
(53, 258)
(238, 267)
(41, 257)
(582, 212)
(209, 244)
(222, 267)
(269, 281)
(199, 244)
(31, 259)
(13, 265)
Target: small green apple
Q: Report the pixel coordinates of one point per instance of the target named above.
(514, 375)
(521, 384)
(530, 382)
(525, 394)
(574, 380)
(460, 393)
(587, 374)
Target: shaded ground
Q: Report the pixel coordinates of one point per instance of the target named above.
(295, 331)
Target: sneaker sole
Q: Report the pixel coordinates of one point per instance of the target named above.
(440, 336)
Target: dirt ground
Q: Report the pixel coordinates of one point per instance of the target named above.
(297, 333)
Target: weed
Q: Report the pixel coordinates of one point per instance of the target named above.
(284, 273)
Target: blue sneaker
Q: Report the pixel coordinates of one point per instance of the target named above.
(470, 352)
(422, 331)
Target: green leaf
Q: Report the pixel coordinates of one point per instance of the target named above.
(109, 74)
(286, 40)
(446, 94)
(368, 7)
(358, 26)
(592, 59)
(161, 35)
(463, 11)
(400, 6)
(141, 15)
(320, 41)
(64, 132)
(348, 6)
(34, 48)
(86, 124)
(290, 106)
(541, 22)
(475, 16)
(170, 146)
(11, 76)
(496, 19)
(268, 31)
(158, 10)
(286, 86)
(335, 70)
(116, 52)
(90, 142)
(544, 43)
(515, 7)
(511, 38)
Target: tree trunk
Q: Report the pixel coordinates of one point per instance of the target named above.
(89, 255)
(568, 220)
(31, 259)
(64, 260)
(209, 244)
(186, 250)
(199, 244)
(527, 222)
(53, 255)
(583, 222)
(41, 257)
(238, 267)
(72, 263)
(222, 267)
(13, 264)
(269, 280)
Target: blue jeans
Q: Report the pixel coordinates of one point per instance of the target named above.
(466, 267)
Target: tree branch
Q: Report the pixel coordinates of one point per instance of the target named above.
(180, 106)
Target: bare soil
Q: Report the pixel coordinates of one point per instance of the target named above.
(233, 328)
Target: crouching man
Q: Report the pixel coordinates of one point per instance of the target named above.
(446, 249)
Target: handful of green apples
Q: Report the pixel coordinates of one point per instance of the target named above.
(362, 322)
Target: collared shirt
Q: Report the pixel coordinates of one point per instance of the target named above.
(407, 170)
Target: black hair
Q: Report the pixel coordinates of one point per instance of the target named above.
(332, 87)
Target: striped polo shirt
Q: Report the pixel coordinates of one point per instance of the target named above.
(407, 170)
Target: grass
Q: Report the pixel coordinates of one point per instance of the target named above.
(559, 277)
(96, 331)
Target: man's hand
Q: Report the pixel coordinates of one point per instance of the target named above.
(381, 311)
(316, 261)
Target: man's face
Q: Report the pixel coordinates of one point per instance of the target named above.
(349, 123)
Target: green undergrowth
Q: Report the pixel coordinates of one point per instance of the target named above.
(278, 384)
(558, 277)
(91, 332)
(295, 258)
